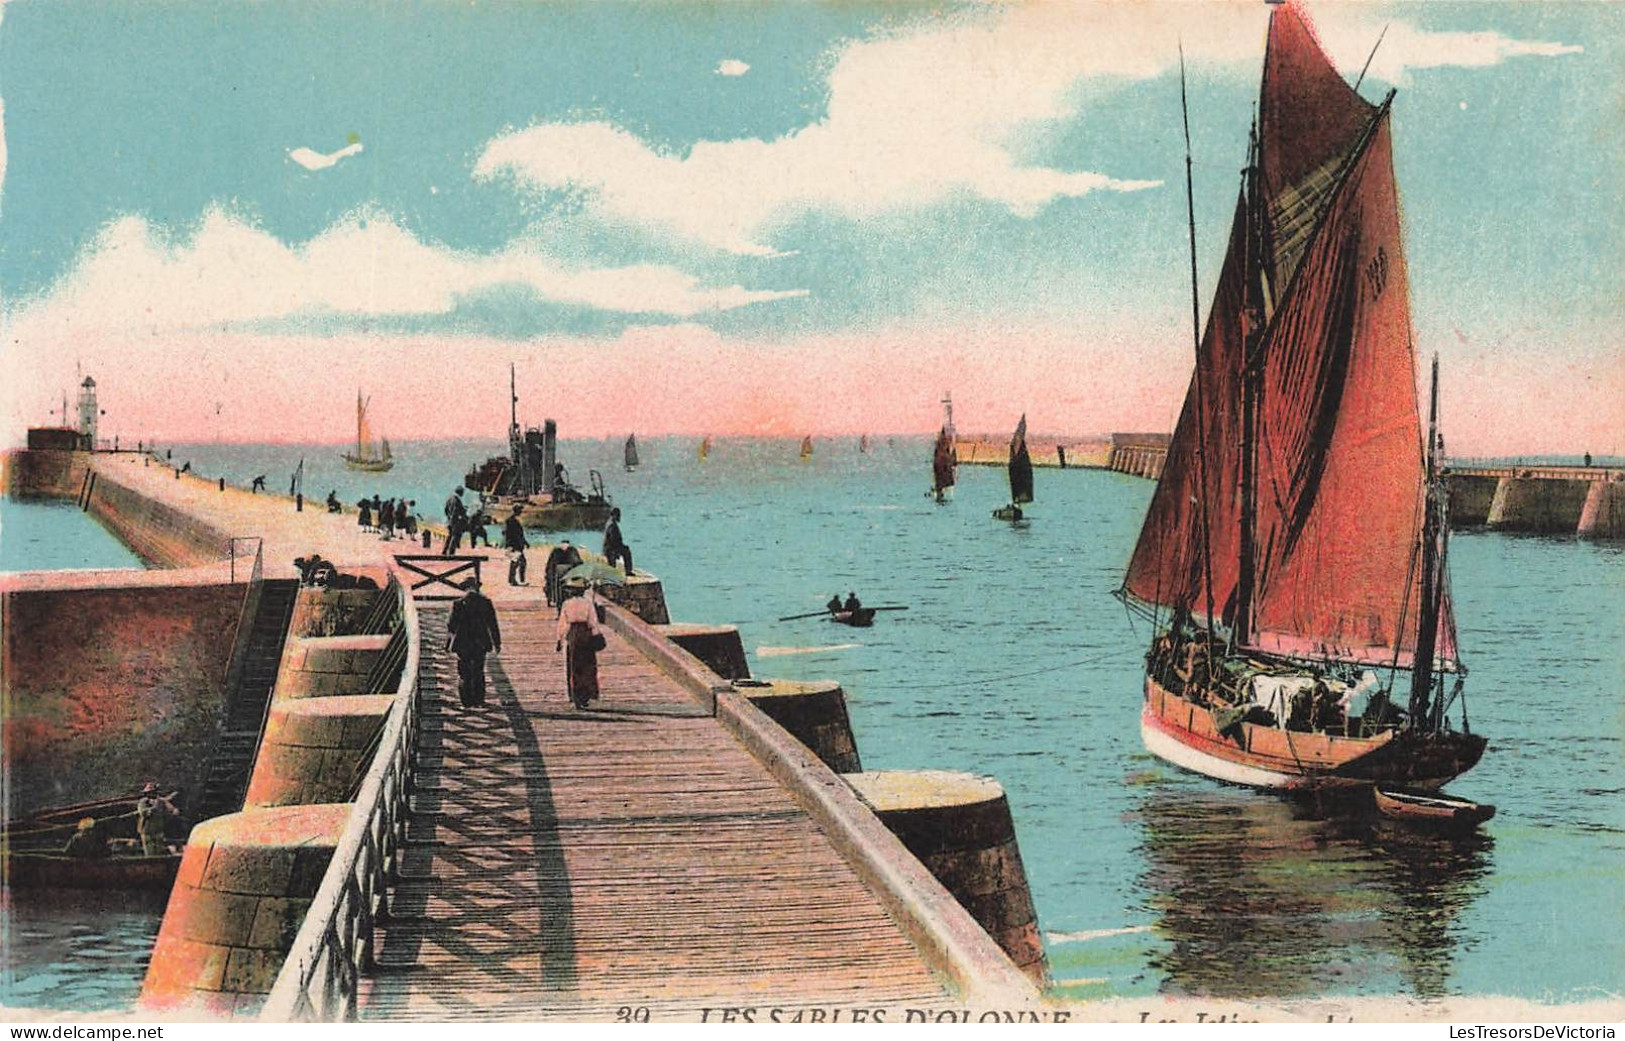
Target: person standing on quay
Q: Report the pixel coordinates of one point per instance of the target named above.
(473, 633)
(514, 541)
(562, 558)
(364, 514)
(580, 637)
(615, 547)
(386, 519)
(456, 519)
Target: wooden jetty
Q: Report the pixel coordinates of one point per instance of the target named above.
(671, 850)
(564, 863)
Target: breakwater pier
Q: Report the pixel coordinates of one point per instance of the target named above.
(365, 848)
(1547, 499)
(1588, 501)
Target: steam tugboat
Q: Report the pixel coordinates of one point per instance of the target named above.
(531, 477)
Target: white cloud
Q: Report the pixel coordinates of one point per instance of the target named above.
(365, 265)
(1349, 31)
(313, 160)
(919, 116)
(732, 67)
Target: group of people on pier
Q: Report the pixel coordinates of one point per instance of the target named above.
(389, 518)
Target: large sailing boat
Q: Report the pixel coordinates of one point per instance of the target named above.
(1021, 475)
(369, 456)
(1293, 555)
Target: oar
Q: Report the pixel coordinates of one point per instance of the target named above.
(820, 614)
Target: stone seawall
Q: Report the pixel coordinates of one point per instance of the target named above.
(41, 474)
(159, 533)
(1045, 450)
(108, 686)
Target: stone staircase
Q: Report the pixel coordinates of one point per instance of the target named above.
(232, 759)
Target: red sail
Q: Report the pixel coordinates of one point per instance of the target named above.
(1309, 120)
(1340, 467)
(1167, 565)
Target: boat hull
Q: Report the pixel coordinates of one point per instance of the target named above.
(1433, 811)
(862, 618)
(561, 516)
(56, 871)
(372, 466)
(1184, 734)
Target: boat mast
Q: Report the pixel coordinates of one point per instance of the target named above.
(360, 424)
(1201, 390)
(516, 438)
(1432, 587)
(1252, 330)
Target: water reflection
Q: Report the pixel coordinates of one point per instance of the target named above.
(76, 949)
(1260, 896)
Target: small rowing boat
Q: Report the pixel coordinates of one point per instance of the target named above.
(116, 872)
(1430, 809)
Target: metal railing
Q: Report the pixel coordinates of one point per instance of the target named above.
(258, 570)
(321, 976)
(1547, 472)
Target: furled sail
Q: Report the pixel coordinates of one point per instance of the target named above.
(1021, 465)
(631, 451)
(942, 462)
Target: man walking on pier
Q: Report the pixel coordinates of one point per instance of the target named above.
(473, 634)
(514, 541)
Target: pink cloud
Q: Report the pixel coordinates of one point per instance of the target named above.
(1107, 375)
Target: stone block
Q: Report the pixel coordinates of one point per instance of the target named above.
(276, 922)
(224, 919)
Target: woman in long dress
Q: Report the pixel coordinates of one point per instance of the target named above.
(578, 633)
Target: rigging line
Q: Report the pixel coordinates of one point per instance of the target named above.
(1201, 389)
(1368, 57)
(994, 677)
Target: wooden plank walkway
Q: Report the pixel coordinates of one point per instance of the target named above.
(566, 863)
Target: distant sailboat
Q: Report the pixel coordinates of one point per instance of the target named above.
(705, 449)
(863, 444)
(631, 453)
(942, 465)
(367, 456)
(806, 448)
(1021, 474)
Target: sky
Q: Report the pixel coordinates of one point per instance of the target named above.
(757, 218)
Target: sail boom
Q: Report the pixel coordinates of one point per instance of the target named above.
(1309, 651)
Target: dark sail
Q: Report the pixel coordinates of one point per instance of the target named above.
(632, 452)
(942, 462)
(1021, 466)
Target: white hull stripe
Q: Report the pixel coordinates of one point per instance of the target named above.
(1180, 754)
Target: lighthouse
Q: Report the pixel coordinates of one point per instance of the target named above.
(88, 413)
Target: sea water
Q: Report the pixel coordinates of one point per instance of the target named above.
(1014, 660)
